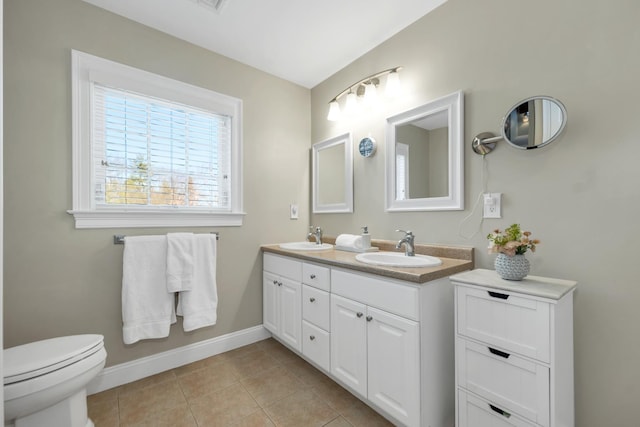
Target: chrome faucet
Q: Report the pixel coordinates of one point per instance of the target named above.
(317, 234)
(408, 243)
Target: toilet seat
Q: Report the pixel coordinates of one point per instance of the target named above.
(35, 359)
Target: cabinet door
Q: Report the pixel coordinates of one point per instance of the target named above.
(394, 365)
(270, 308)
(349, 343)
(290, 312)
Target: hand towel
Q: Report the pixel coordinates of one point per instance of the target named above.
(350, 241)
(147, 307)
(199, 305)
(179, 261)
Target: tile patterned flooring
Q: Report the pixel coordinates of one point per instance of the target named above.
(263, 384)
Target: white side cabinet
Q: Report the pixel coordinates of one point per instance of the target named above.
(514, 351)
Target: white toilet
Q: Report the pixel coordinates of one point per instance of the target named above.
(45, 381)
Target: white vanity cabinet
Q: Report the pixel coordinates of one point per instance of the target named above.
(389, 341)
(281, 302)
(514, 351)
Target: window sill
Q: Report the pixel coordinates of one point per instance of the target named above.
(151, 219)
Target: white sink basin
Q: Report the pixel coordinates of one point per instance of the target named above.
(398, 259)
(305, 246)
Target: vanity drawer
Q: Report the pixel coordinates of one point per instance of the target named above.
(476, 412)
(505, 320)
(383, 294)
(315, 345)
(510, 382)
(282, 266)
(316, 276)
(316, 307)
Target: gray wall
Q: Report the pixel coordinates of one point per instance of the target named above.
(580, 195)
(62, 281)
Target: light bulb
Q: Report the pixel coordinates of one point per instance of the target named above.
(370, 93)
(351, 105)
(334, 111)
(393, 84)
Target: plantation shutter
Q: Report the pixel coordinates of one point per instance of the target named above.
(148, 152)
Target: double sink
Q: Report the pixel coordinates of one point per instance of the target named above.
(381, 258)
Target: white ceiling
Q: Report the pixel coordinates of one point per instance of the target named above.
(301, 41)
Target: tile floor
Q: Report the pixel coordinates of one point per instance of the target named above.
(262, 384)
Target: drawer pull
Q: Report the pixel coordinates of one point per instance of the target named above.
(359, 314)
(369, 318)
(279, 283)
(312, 337)
(313, 276)
(498, 295)
(275, 282)
(500, 411)
(499, 353)
(312, 299)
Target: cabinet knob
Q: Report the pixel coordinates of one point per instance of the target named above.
(312, 337)
(369, 318)
(312, 299)
(275, 282)
(279, 283)
(359, 314)
(313, 276)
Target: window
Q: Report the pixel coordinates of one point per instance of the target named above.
(151, 151)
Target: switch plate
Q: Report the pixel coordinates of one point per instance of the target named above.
(492, 205)
(293, 211)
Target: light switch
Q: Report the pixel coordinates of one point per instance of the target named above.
(492, 205)
(293, 211)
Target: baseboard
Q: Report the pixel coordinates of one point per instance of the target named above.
(124, 373)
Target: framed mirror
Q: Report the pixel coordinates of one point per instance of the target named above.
(332, 175)
(424, 165)
(534, 122)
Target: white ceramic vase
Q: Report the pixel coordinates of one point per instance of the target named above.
(512, 267)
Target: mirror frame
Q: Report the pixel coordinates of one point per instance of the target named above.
(454, 105)
(347, 205)
(553, 137)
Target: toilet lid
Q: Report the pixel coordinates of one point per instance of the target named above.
(41, 357)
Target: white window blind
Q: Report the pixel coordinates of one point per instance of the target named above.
(151, 152)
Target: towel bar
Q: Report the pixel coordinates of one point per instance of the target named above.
(118, 239)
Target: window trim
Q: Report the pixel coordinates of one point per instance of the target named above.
(86, 69)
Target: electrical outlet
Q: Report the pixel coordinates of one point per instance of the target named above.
(293, 211)
(492, 205)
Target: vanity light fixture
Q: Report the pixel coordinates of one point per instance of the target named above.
(367, 89)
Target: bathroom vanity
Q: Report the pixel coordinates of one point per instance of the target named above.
(384, 333)
(514, 350)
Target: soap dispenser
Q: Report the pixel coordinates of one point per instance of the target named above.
(366, 238)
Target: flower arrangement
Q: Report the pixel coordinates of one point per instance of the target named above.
(512, 241)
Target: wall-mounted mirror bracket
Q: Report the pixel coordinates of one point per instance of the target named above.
(485, 142)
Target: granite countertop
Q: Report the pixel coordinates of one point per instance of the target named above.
(455, 259)
(543, 287)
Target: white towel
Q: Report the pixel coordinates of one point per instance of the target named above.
(350, 241)
(179, 261)
(147, 307)
(199, 305)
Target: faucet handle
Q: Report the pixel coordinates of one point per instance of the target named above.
(408, 233)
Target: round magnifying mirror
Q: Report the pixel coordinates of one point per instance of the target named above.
(534, 122)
